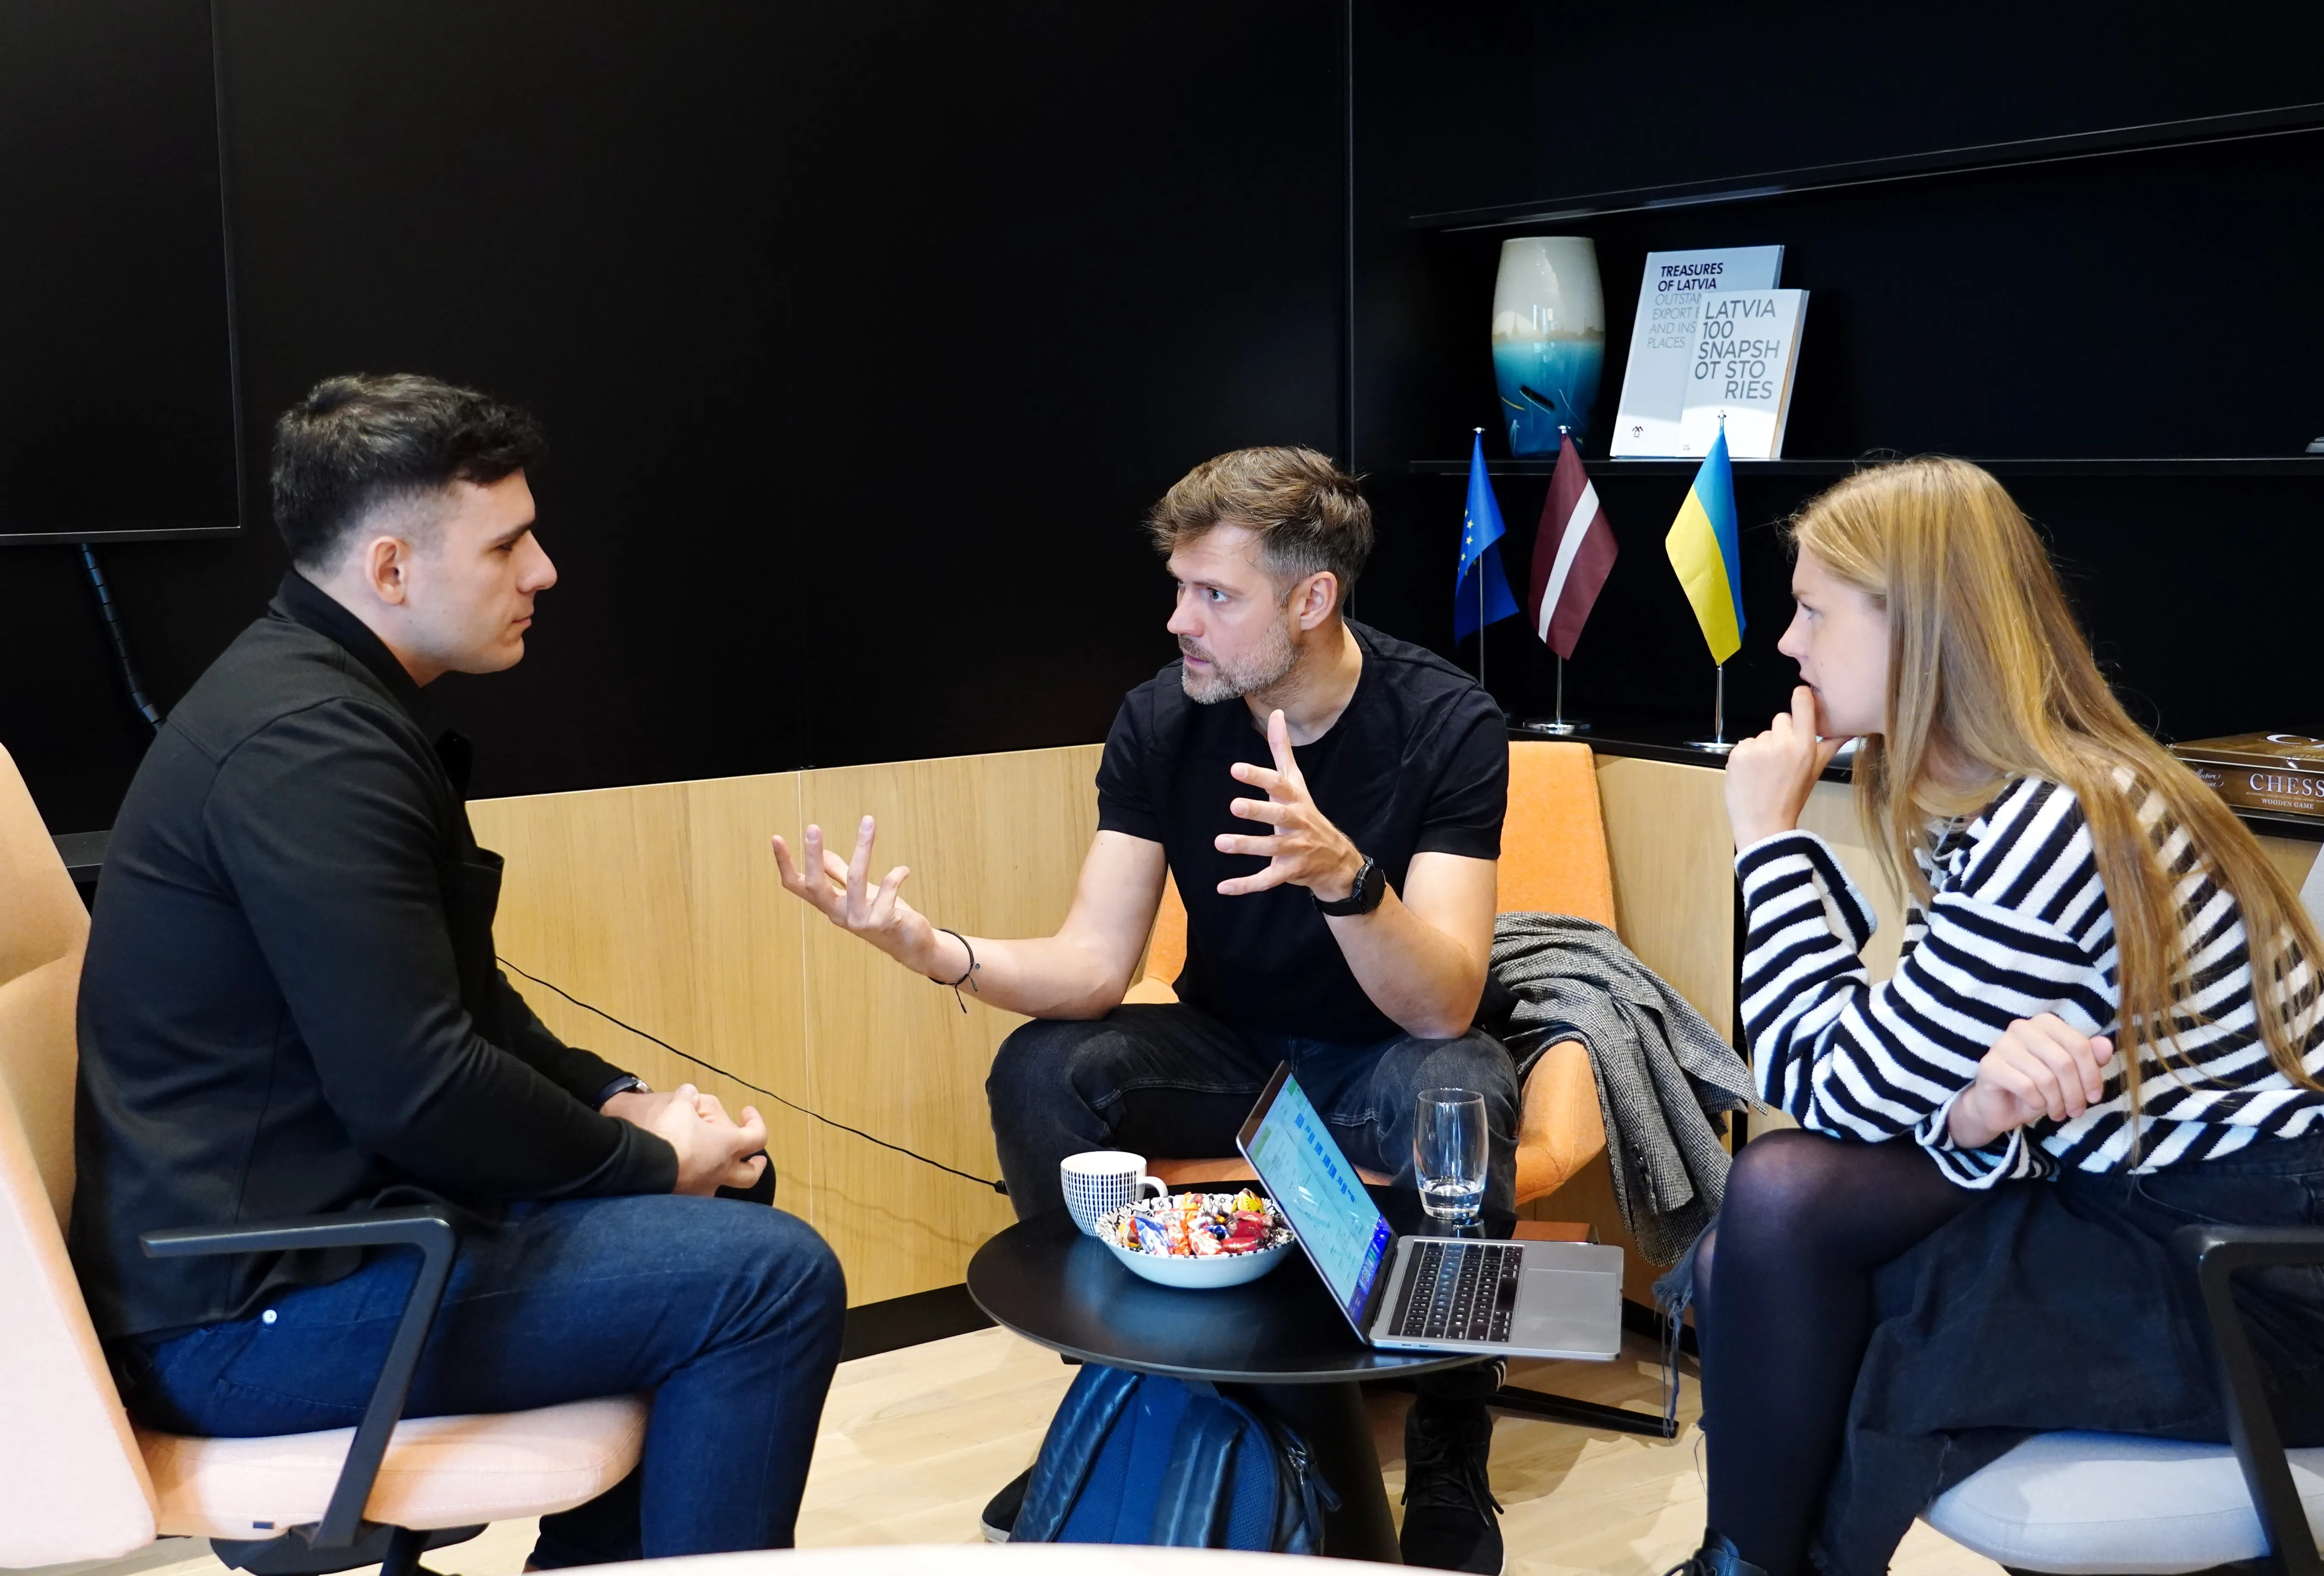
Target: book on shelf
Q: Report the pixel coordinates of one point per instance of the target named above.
(1739, 373)
(2282, 773)
(1662, 338)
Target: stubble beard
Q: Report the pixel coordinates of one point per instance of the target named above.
(1260, 670)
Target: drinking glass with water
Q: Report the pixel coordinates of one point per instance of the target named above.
(1448, 1154)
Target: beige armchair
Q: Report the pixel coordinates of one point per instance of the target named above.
(78, 1480)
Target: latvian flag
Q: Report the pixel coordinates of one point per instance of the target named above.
(1571, 554)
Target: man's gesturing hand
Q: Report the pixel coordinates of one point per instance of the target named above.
(1305, 850)
(842, 892)
(714, 1150)
(2040, 1066)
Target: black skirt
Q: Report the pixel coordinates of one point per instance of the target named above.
(2060, 1304)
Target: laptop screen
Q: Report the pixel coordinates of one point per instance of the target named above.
(1319, 1193)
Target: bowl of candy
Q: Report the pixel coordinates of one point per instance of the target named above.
(1198, 1240)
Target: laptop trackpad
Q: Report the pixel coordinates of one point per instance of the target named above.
(1567, 1310)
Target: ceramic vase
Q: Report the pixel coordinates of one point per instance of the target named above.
(1549, 340)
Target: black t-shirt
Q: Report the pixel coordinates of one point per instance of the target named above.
(1418, 764)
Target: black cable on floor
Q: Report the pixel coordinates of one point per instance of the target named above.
(999, 1187)
(111, 612)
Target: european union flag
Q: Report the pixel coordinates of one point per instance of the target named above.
(1481, 595)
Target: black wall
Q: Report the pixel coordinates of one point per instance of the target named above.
(2142, 305)
(863, 335)
(113, 280)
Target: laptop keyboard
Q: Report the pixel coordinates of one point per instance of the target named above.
(1461, 1291)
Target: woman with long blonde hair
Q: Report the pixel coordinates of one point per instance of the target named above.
(2105, 1024)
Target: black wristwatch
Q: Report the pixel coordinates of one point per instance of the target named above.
(1371, 885)
(627, 1083)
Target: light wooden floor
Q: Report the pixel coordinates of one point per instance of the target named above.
(914, 1441)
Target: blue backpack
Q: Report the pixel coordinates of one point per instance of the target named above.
(1134, 1459)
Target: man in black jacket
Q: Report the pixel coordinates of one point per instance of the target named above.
(290, 1005)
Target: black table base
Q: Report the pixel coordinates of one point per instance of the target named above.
(1566, 1409)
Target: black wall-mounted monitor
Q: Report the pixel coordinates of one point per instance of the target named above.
(118, 414)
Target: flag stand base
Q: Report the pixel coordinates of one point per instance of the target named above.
(1719, 744)
(1556, 727)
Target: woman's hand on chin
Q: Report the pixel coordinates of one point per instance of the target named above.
(1770, 775)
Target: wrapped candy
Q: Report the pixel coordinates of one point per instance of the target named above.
(1248, 1233)
(1198, 1225)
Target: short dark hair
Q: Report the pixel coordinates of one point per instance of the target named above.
(1308, 514)
(355, 443)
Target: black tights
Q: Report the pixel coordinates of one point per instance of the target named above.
(1806, 1219)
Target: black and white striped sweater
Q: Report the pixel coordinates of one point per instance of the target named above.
(2019, 925)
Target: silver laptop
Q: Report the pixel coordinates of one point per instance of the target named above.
(1425, 1293)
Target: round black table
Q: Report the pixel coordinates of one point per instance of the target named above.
(1278, 1345)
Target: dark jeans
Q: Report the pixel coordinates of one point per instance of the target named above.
(1872, 1334)
(729, 1312)
(1171, 1081)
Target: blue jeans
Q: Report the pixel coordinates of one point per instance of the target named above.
(1172, 1081)
(729, 1312)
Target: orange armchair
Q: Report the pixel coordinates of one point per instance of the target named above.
(1553, 860)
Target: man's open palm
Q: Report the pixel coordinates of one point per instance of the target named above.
(843, 892)
(1305, 850)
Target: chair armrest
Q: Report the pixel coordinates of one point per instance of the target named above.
(1560, 1128)
(2218, 1252)
(426, 1226)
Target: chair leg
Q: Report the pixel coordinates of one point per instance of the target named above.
(1583, 1414)
(403, 1556)
(1559, 1409)
(395, 1550)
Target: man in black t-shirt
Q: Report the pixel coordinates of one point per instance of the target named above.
(1328, 802)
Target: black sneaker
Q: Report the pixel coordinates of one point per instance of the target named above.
(1717, 1557)
(1451, 1521)
(999, 1517)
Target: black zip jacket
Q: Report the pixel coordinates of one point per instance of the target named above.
(291, 1004)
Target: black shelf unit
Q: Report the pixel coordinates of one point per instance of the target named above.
(2154, 138)
(1990, 297)
(2287, 120)
(1653, 740)
(2183, 466)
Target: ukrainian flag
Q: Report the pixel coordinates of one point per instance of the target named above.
(1704, 549)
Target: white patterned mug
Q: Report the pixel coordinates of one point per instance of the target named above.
(1099, 1180)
